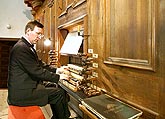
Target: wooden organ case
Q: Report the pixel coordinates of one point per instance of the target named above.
(80, 65)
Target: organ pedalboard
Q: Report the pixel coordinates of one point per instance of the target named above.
(80, 77)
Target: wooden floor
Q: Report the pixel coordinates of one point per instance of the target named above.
(4, 107)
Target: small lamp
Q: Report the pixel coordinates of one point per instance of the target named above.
(47, 42)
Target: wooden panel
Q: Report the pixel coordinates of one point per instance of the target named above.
(131, 34)
(47, 24)
(135, 86)
(72, 13)
(161, 52)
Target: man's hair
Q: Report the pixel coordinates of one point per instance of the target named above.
(32, 24)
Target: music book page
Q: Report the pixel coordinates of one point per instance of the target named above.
(71, 44)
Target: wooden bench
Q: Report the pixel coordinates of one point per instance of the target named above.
(28, 112)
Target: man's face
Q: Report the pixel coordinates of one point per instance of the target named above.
(35, 35)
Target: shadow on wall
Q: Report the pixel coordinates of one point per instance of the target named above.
(28, 14)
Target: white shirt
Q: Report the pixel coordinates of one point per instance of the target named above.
(29, 41)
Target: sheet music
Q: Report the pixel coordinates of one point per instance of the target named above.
(71, 44)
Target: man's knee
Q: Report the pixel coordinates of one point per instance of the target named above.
(65, 95)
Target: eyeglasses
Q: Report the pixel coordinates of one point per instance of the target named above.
(40, 35)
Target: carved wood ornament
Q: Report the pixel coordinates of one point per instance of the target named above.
(34, 4)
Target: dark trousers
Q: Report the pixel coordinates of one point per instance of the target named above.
(58, 100)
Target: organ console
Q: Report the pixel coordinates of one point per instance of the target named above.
(80, 76)
(81, 79)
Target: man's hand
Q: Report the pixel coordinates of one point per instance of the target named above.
(62, 70)
(64, 76)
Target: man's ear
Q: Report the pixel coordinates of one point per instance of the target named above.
(28, 31)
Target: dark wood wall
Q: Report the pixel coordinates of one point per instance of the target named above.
(5, 47)
(128, 37)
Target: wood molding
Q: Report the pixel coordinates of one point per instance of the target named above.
(72, 5)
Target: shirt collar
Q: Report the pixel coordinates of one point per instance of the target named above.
(27, 39)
